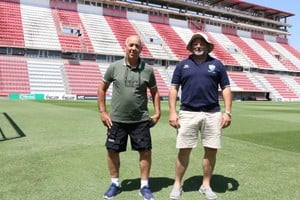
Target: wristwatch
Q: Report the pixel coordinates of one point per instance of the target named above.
(228, 113)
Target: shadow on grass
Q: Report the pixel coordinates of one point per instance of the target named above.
(14, 126)
(156, 183)
(219, 184)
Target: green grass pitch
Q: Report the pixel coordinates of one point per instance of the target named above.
(63, 157)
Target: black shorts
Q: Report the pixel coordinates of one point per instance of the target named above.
(139, 133)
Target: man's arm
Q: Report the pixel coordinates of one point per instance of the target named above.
(173, 117)
(227, 96)
(105, 118)
(156, 104)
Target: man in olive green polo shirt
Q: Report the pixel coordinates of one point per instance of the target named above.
(129, 115)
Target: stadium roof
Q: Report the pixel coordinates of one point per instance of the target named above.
(229, 12)
(243, 5)
(237, 4)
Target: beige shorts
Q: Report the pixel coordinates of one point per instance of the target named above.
(191, 123)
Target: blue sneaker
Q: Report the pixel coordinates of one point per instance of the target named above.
(146, 193)
(112, 191)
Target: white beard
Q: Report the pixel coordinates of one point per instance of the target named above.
(199, 53)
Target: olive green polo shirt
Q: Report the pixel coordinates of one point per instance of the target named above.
(129, 103)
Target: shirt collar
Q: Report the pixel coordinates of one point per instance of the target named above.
(130, 67)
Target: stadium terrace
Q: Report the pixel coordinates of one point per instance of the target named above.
(54, 49)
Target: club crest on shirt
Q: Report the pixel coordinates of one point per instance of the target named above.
(211, 68)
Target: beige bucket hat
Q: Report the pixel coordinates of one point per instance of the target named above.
(200, 35)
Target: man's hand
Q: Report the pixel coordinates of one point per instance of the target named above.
(105, 118)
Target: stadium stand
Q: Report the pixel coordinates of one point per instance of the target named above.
(172, 39)
(153, 40)
(98, 34)
(14, 76)
(71, 32)
(221, 52)
(39, 29)
(161, 81)
(244, 82)
(82, 78)
(11, 24)
(281, 86)
(64, 46)
(46, 77)
(122, 28)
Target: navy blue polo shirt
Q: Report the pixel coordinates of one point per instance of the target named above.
(200, 83)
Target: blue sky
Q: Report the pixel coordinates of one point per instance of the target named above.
(291, 6)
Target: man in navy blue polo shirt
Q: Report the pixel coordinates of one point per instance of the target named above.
(200, 76)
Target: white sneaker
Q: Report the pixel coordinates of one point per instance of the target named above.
(176, 194)
(208, 193)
